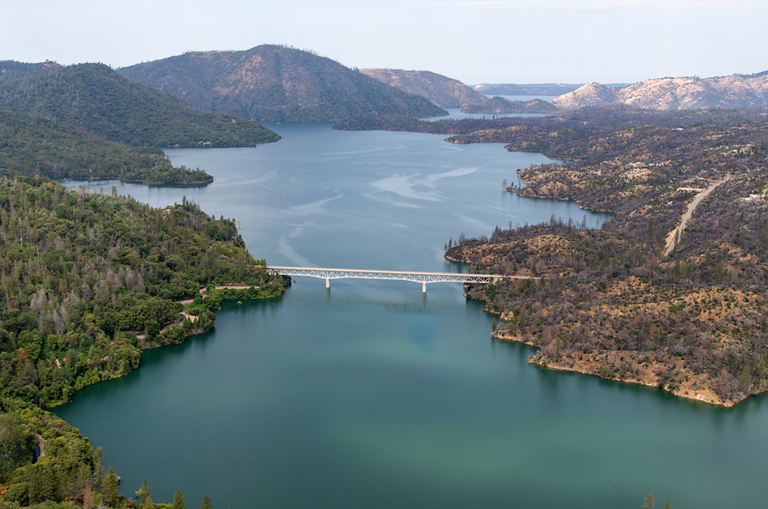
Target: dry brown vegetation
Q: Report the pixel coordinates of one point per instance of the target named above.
(608, 302)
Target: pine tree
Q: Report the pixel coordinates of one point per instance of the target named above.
(178, 501)
(111, 492)
(649, 502)
(668, 505)
(144, 492)
(148, 504)
(206, 503)
(99, 473)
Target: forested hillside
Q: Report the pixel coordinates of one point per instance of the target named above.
(89, 281)
(276, 83)
(11, 70)
(100, 100)
(34, 145)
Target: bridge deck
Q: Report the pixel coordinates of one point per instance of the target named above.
(401, 275)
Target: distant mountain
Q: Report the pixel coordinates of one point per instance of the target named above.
(95, 97)
(500, 105)
(676, 93)
(535, 88)
(529, 89)
(276, 83)
(590, 94)
(11, 70)
(441, 90)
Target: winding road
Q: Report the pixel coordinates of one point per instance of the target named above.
(689, 212)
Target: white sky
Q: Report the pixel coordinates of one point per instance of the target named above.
(475, 41)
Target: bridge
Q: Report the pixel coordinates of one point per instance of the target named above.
(391, 275)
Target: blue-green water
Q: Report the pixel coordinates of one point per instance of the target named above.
(372, 395)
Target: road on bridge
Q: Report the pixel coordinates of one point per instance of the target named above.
(392, 275)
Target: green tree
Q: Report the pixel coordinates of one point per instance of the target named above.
(649, 502)
(111, 493)
(719, 272)
(206, 503)
(178, 501)
(144, 492)
(99, 472)
(148, 504)
(668, 505)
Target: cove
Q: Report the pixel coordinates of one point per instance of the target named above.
(372, 395)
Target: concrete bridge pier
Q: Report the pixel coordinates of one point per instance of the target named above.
(327, 282)
(424, 287)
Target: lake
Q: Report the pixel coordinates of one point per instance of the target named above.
(374, 395)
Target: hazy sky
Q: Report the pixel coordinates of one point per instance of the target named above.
(475, 41)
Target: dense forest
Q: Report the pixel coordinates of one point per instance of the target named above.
(640, 300)
(32, 145)
(89, 281)
(275, 83)
(106, 103)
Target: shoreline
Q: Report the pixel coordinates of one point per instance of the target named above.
(172, 326)
(538, 359)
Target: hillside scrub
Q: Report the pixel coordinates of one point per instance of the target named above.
(609, 303)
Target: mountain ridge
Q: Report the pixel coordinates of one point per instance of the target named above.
(735, 91)
(274, 83)
(11, 69)
(444, 91)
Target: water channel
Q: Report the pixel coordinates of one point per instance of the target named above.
(373, 395)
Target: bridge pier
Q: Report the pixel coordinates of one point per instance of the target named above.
(424, 287)
(327, 282)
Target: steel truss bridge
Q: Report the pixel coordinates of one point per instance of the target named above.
(392, 275)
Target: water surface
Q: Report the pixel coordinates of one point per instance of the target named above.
(373, 395)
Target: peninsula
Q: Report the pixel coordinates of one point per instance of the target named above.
(618, 302)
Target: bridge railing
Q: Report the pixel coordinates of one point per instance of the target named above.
(391, 275)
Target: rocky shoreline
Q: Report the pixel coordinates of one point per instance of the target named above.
(581, 364)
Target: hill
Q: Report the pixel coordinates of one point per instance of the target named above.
(276, 83)
(501, 105)
(441, 90)
(33, 145)
(95, 97)
(11, 70)
(676, 93)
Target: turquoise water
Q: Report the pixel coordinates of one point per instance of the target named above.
(373, 395)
